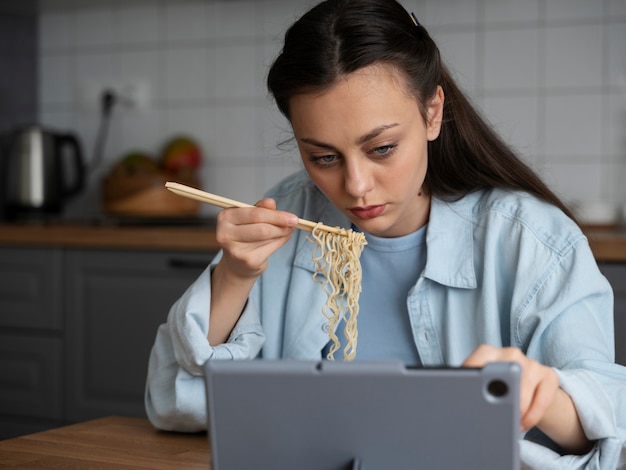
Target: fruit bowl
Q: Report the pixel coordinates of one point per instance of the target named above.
(148, 197)
(136, 187)
(135, 184)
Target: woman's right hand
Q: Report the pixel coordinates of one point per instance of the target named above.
(248, 236)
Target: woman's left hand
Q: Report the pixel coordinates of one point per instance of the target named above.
(539, 384)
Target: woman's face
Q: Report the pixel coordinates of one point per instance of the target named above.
(364, 144)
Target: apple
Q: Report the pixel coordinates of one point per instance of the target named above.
(181, 153)
(138, 162)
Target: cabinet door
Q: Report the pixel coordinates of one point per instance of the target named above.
(30, 288)
(31, 378)
(616, 274)
(116, 301)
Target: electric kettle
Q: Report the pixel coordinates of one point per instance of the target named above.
(42, 169)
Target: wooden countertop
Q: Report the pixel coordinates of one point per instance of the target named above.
(107, 443)
(191, 238)
(607, 244)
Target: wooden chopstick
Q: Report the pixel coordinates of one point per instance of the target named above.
(224, 202)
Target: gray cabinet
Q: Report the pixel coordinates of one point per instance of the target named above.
(616, 274)
(116, 301)
(30, 288)
(76, 328)
(31, 381)
(31, 340)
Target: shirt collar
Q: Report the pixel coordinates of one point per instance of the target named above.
(449, 243)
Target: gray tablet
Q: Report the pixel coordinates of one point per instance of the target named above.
(323, 415)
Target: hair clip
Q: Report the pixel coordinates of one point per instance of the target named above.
(415, 20)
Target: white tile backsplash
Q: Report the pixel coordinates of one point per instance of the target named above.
(138, 24)
(237, 79)
(188, 75)
(448, 13)
(515, 118)
(574, 127)
(273, 129)
(55, 31)
(616, 8)
(141, 131)
(100, 65)
(616, 55)
(186, 21)
(238, 20)
(617, 172)
(277, 168)
(278, 15)
(574, 56)
(614, 137)
(576, 181)
(62, 120)
(574, 9)
(235, 133)
(459, 53)
(550, 75)
(56, 81)
(236, 181)
(511, 11)
(142, 64)
(95, 27)
(511, 59)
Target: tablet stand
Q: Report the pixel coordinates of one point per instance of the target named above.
(357, 465)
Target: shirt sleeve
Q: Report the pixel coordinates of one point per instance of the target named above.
(175, 396)
(568, 325)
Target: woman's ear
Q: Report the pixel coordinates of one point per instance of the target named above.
(434, 114)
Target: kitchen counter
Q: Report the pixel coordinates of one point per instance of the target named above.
(75, 235)
(607, 244)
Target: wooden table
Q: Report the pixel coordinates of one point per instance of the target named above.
(106, 443)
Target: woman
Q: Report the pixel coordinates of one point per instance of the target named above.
(470, 257)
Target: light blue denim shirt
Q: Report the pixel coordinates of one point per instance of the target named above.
(502, 268)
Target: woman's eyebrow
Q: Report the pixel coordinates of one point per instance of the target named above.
(375, 132)
(317, 143)
(361, 140)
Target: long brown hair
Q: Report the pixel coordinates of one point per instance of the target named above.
(338, 37)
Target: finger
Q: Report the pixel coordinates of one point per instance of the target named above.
(481, 355)
(267, 203)
(282, 218)
(541, 399)
(253, 222)
(272, 216)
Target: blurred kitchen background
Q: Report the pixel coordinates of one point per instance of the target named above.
(549, 74)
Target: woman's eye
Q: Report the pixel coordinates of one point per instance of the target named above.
(324, 159)
(384, 150)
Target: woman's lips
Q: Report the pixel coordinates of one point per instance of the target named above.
(368, 212)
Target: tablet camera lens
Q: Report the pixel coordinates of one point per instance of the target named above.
(498, 388)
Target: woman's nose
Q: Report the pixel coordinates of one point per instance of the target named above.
(358, 179)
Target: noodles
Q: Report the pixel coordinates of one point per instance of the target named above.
(338, 270)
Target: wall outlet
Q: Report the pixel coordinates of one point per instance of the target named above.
(130, 94)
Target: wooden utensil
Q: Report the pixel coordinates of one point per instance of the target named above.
(223, 202)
